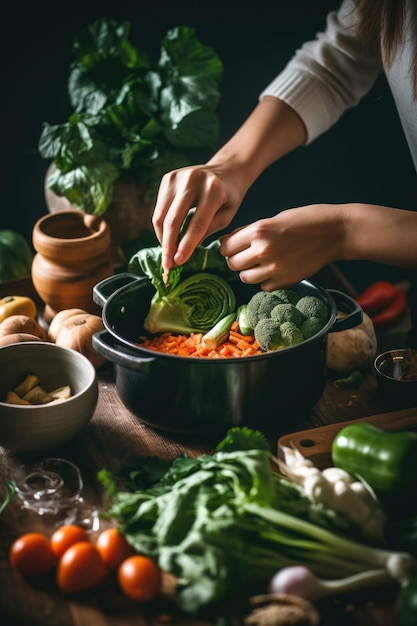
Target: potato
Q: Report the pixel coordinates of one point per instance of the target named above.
(22, 324)
(352, 349)
(6, 340)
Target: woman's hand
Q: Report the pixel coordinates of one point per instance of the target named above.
(213, 193)
(216, 190)
(280, 251)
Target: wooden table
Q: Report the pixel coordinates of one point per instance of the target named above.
(111, 438)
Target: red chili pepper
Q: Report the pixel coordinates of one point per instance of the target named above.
(377, 297)
(393, 312)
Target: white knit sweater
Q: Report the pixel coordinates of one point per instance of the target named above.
(332, 73)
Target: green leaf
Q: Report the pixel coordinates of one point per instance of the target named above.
(143, 117)
(243, 438)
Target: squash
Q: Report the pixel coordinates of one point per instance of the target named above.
(352, 349)
(74, 328)
(23, 324)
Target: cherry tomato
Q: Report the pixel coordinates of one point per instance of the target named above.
(65, 536)
(140, 578)
(31, 554)
(113, 547)
(80, 568)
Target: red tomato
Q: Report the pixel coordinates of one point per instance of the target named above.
(140, 578)
(113, 547)
(31, 554)
(66, 536)
(80, 568)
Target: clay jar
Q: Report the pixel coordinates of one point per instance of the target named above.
(72, 255)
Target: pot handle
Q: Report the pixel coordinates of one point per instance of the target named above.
(114, 351)
(353, 310)
(107, 286)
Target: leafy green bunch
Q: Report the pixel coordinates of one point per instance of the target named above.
(132, 117)
(226, 521)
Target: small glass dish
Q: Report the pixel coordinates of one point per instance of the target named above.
(52, 488)
(396, 374)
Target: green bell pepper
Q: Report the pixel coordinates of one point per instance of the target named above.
(387, 461)
(16, 255)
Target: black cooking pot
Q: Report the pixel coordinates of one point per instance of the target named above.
(187, 395)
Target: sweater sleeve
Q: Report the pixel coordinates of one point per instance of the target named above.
(327, 75)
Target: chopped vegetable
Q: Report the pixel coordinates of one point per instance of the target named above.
(260, 306)
(278, 317)
(29, 392)
(286, 312)
(243, 321)
(221, 521)
(236, 346)
(219, 333)
(268, 334)
(311, 306)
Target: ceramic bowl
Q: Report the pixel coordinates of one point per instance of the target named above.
(396, 373)
(33, 429)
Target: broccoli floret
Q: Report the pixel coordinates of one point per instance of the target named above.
(289, 296)
(260, 306)
(287, 313)
(268, 334)
(311, 306)
(311, 326)
(290, 334)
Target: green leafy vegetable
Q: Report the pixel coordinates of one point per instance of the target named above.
(222, 521)
(132, 116)
(196, 304)
(192, 297)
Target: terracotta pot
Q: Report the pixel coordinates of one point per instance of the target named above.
(128, 216)
(72, 255)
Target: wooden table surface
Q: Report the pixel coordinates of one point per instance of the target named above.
(111, 438)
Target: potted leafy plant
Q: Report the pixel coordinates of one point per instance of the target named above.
(133, 118)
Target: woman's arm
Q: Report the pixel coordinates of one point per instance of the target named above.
(217, 188)
(282, 250)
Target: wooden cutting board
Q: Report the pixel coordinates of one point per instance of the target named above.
(315, 443)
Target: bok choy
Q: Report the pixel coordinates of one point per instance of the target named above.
(191, 298)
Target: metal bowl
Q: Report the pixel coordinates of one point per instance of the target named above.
(396, 374)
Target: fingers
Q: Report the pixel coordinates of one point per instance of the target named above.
(172, 206)
(189, 188)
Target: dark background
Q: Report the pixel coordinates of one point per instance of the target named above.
(363, 158)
